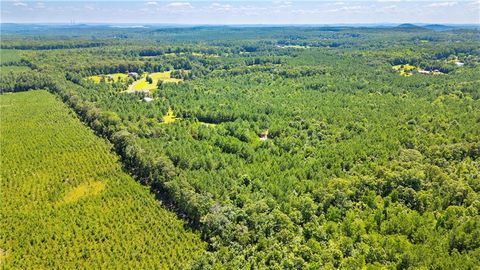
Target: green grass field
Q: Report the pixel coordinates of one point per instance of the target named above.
(169, 117)
(142, 84)
(115, 77)
(67, 204)
(205, 55)
(405, 70)
(294, 47)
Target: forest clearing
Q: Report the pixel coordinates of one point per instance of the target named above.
(139, 83)
(142, 84)
(116, 77)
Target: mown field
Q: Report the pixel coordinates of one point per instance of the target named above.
(67, 204)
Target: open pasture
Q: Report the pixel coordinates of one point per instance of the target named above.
(169, 117)
(109, 78)
(143, 84)
(405, 70)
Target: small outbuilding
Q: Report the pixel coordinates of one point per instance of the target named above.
(147, 99)
(133, 74)
(264, 135)
(422, 71)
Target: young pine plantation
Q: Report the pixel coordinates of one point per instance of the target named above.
(67, 204)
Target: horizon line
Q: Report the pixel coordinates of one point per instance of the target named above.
(239, 24)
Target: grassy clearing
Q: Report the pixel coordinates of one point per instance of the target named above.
(143, 84)
(174, 54)
(138, 85)
(294, 47)
(205, 55)
(164, 76)
(84, 190)
(208, 124)
(408, 70)
(196, 54)
(169, 117)
(115, 77)
(67, 204)
(405, 70)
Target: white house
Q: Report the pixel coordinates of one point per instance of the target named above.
(147, 99)
(133, 74)
(423, 71)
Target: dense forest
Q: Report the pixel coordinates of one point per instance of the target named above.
(284, 147)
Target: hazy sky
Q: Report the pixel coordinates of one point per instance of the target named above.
(242, 12)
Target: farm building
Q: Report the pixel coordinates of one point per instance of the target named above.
(422, 71)
(133, 74)
(264, 135)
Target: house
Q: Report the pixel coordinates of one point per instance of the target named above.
(142, 93)
(264, 135)
(133, 74)
(459, 64)
(423, 71)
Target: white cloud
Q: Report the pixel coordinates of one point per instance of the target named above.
(20, 4)
(152, 3)
(442, 4)
(283, 4)
(475, 3)
(221, 7)
(346, 8)
(389, 9)
(179, 5)
(249, 9)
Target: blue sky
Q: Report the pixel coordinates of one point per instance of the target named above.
(243, 12)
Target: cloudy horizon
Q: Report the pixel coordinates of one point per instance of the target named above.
(241, 12)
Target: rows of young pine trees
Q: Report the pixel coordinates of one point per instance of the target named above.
(66, 203)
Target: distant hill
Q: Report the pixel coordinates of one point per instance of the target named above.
(439, 27)
(435, 27)
(408, 26)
